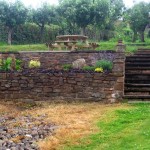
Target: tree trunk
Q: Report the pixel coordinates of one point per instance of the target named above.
(9, 36)
(83, 31)
(142, 36)
(41, 33)
(134, 38)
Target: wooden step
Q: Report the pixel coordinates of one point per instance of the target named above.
(138, 74)
(137, 60)
(136, 85)
(142, 56)
(137, 64)
(137, 68)
(133, 89)
(137, 97)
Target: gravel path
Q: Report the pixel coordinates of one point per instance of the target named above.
(22, 133)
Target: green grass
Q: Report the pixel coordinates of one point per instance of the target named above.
(32, 47)
(130, 130)
(109, 45)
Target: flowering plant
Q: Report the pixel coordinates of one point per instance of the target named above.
(99, 69)
(34, 64)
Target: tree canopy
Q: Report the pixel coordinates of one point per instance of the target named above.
(95, 18)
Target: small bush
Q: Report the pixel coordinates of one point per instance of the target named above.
(105, 64)
(99, 69)
(34, 64)
(6, 64)
(18, 64)
(67, 67)
(10, 64)
(89, 68)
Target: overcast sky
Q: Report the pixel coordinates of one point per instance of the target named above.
(36, 3)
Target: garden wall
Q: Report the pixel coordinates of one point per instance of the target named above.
(61, 85)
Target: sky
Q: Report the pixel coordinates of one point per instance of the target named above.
(36, 3)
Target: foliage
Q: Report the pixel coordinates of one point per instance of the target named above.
(29, 33)
(67, 67)
(10, 64)
(138, 18)
(98, 19)
(6, 64)
(105, 64)
(34, 64)
(12, 15)
(99, 69)
(18, 63)
(89, 68)
(43, 15)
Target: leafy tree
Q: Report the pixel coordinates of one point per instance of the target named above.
(12, 15)
(84, 14)
(42, 16)
(139, 19)
(66, 15)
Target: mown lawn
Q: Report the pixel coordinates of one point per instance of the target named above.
(126, 129)
(130, 48)
(89, 126)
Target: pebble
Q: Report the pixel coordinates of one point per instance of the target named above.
(20, 133)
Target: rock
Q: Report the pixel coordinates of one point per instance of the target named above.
(28, 136)
(79, 63)
(24, 136)
(1, 142)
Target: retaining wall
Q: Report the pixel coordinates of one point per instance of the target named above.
(61, 85)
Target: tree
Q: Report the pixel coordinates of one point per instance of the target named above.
(67, 15)
(84, 14)
(138, 17)
(42, 16)
(12, 15)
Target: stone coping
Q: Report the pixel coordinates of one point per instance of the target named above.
(82, 51)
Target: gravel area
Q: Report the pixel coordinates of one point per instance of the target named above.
(22, 133)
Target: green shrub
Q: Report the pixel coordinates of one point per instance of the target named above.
(6, 64)
(34, 64)
(105, 64)
(89, 68)
(67, 67)
(18, 64)
(10, 64)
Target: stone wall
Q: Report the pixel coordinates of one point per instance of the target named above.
(61, 85)
(55, 60)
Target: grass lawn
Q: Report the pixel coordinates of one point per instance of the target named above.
(90, 126)
(126, 129)
(130, 48)
(28, 47)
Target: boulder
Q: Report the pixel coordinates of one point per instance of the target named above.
(79, 63)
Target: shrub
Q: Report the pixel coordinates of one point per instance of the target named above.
(34, 64)
(99, 69)
(89, 68)
(18, 64)
(6, 64)
(105, 64)
(10, 64)
(67, 67)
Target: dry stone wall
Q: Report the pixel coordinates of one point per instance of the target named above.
(63, 85)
